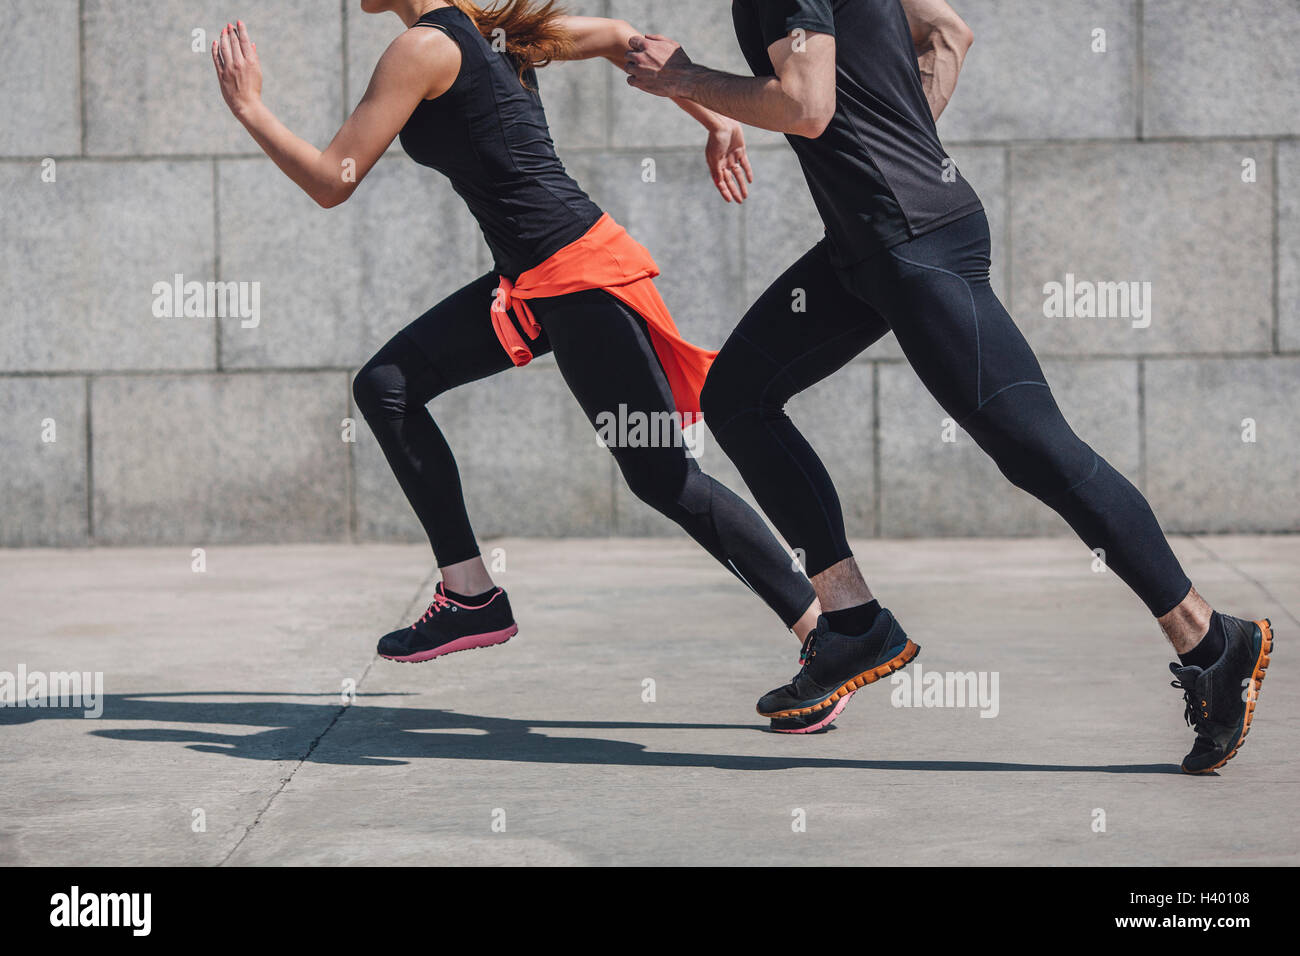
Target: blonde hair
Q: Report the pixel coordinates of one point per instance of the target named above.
(530, 29)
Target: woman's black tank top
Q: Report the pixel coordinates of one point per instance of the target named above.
(488, 135)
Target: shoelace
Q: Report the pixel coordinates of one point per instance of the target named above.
(809, 649)
(1191, 713)
(806, 653)
(440, 601)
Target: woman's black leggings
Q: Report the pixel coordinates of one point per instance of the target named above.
(934, 293)
(604, 353)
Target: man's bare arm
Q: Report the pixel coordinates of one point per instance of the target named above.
(942, 40)
(594, 37)
(799, 100)
(725, 151)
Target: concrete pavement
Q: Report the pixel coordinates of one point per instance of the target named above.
(226, 739)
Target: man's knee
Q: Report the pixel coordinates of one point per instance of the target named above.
(729, 393)
(1043, 457)
(716, 398)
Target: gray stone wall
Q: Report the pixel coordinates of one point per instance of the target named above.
(1129, 164)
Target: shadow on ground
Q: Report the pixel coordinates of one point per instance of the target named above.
(365, 735)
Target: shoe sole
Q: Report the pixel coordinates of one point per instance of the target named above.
(469, 643)
(1256, 682)
(822, 723)
(897, 662)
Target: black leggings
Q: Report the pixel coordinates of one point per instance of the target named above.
(604, 353)
(934, 293)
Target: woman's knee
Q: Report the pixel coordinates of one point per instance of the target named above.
(384, 389)
(660, 483)
(393, 382)
(375, 386)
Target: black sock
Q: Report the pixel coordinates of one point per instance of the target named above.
(1204, 654)
(853, 621)
(470, 600)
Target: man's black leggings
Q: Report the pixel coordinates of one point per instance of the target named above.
(934, 293)
(604, 353)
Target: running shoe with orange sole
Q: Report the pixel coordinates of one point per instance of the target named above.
(1221, 698)
(835, 666)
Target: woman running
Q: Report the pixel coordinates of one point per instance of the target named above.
(459, 88)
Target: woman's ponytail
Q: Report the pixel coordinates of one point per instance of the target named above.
(529, 32)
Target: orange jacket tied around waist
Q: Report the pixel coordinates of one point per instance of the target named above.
(610, 259)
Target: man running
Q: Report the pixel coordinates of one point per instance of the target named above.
(909, 252)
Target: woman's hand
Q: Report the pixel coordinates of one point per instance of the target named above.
(238, 68)
(728, 162)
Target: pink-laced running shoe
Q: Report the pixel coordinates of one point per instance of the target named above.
(449, 626)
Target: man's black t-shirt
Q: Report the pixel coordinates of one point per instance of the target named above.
(877, 172)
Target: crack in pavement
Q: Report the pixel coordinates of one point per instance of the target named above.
(311, 748)
(413, 604)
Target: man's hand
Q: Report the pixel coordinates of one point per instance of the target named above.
(799, 100)
(658, 59)
(658, 65)
(238, 69)
(728, 163)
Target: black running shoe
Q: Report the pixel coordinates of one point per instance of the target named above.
(834, 666)
(1221, 698)
(449, 626)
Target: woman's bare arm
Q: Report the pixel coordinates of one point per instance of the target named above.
(419, 64)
